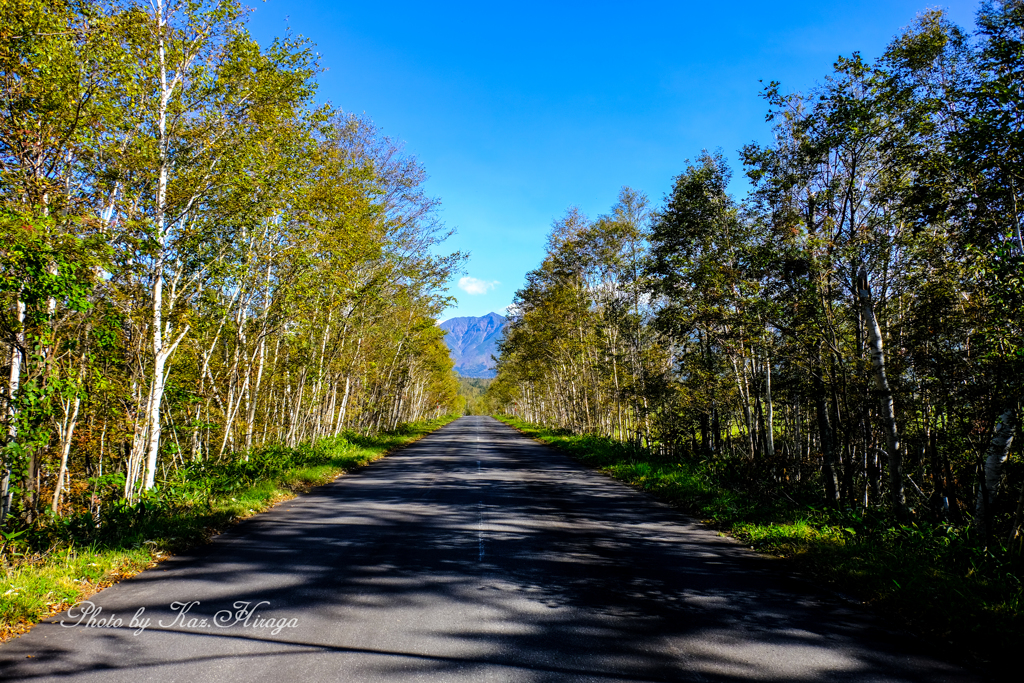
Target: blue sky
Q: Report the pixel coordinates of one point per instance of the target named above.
(521, 110)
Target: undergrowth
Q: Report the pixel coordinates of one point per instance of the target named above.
(940, 580)
(59, 561)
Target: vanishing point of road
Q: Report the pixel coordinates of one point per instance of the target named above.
(473, 555)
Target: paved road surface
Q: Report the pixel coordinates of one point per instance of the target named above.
(474, 555)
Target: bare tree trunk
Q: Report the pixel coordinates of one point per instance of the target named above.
(796, 444)
(157, 387)
(151, 416)
(67, 433)
(995, 459)
(156, 398)
(13, 384)
(827, 442)
(876, 352)
(320, 376)
(254, 394)
(250, 418)
(769, 408)
(235, 393)
(746, 406)
(295, 428)
(135, 455)
(340, 426)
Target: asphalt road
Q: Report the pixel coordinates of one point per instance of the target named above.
(473, 555)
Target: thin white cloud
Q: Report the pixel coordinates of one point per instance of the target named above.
(471, 285)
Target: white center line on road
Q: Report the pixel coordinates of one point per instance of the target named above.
(480, 504)
(480, 530)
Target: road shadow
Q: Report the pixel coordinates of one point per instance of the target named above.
(474, 554)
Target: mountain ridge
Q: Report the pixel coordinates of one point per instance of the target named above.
(472, 341)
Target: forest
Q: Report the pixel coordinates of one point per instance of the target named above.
(848, 335)
(473, 393)
(198, 262)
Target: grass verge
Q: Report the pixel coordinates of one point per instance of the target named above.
(61, 561)
(937, 580)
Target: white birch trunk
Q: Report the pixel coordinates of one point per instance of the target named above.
(886, 410)
(156, 392)
(746, 405)
(995, 459)
(235, 393)
(250, 418)
(344, 405)
(13, 384)
(67, 433)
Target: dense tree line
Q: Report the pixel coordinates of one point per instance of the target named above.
(852, 330)
(473, 395)
(196, 259)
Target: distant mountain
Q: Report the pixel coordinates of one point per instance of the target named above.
(472, 342)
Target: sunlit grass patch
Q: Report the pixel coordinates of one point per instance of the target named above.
(787, 538)
(29, 591)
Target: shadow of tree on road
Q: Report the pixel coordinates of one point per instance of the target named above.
(464, 560)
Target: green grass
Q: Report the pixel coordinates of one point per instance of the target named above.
(935, 579)
(61, 561)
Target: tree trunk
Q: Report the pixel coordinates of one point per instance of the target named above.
(746, 406)
(798, 455)
(13, 384)
(995, 459)
(827, 442)
(67, 433)
(876, 352)
(156, 392)
(769, 428)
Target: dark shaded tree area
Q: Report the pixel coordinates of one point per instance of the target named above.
(849, 335)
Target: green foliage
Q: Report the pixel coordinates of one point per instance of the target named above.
(195, 258)
(848, 335)
(474, 391)
(38, 263)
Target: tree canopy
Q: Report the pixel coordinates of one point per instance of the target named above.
(848, 334)
(196, 258)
